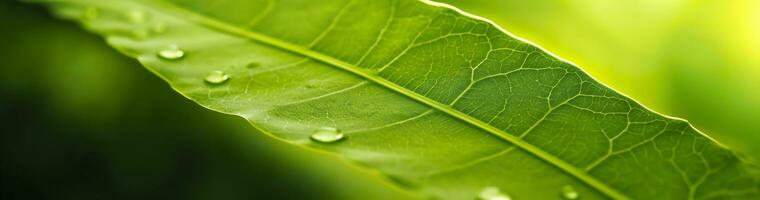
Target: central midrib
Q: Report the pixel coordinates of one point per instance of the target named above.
(559, 163)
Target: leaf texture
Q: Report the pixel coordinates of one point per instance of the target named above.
(439, 101)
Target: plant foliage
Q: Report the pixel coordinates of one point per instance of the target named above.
(439, 101)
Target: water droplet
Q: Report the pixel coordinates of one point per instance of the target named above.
(216, 77)
(171, 53)
(253, 65)
(158, 28)
(568, 192)
(492, 193)
(137, 16)
(327, 135)
(91, 13)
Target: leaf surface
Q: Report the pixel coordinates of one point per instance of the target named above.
(439, 101)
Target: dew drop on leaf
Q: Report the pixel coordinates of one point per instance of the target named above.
(171, 53)
(91, 13)
(327, 135)
(137, 16)
(216, 77)
(568, 192)
(492, 193)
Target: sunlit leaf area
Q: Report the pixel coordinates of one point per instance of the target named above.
(391, 99)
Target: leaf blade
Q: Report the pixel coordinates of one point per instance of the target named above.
(444, 105)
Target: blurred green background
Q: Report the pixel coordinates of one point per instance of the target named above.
(80, 121)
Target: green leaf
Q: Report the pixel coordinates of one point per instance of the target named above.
(439, 101)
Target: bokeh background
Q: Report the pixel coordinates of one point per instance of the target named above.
(80, 121)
